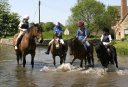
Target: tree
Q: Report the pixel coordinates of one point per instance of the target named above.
(49, 26)
(94, 14)
(8, 20)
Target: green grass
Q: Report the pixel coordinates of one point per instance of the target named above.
(121, 47)
(9, 37)
(49, 35)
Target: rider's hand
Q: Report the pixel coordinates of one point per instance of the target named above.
(56, 30)
(24, 30)
(106, 44)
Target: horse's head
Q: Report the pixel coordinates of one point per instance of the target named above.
(57, 42)
(99, 49)
(38, 32)
(71, 44)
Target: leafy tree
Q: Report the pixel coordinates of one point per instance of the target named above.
(94, 14)
(8, 21)
(49, 26)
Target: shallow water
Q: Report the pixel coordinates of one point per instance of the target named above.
(45, 74)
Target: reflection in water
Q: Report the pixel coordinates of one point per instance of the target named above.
(24, 77)
(45, 74)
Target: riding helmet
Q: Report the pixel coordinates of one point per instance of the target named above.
(106, 29)
(81, 23)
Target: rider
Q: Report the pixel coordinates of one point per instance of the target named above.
(58, 32)
(23, 26)
(82, 36)
(106, 38)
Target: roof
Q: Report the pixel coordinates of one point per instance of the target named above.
(119, 9)
(124, 18)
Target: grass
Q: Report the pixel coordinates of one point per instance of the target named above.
(49, 35)
(9, 37)
(121, 47)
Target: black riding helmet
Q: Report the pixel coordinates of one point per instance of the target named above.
(106, 29)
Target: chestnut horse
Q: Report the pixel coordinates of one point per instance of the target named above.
(78, 51)
(57, 50)
(27, 45)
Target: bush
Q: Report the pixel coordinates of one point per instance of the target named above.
(123, 39)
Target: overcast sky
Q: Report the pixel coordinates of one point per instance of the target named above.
(50, 10)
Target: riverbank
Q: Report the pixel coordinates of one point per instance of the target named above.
(45, 42)
(121, 47)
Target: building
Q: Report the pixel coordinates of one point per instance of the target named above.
(122, 24)
(66, 32)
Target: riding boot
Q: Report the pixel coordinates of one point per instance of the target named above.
(63, 46)
(89, 54)
(48, 50)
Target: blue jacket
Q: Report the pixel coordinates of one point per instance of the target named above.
(59, 30)
(81, 35)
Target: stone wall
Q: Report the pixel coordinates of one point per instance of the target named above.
(45, 42)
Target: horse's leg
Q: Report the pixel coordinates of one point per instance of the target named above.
(54, 62)
(89, 61)
(81, 63)
(92, 61)
(73, 59)
(32, 58)
(24, 59)
(85, 60)
(17, 57)
(115, 59)
(61, 59)
(64, 57)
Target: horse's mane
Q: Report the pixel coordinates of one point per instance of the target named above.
(29, 29)
(36, 25)
(70, 41)
(76, 40)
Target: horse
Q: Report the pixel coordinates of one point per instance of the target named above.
(57, 50)
(104, 56)
(78, 51)
(27, 45)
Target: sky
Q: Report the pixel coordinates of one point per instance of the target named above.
(50, 10)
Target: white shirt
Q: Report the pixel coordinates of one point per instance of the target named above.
(109, 36)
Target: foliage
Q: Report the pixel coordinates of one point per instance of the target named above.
(49, 26)
(94, 13)
(8, 20)
(121, 47)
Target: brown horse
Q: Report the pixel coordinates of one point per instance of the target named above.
(27, 44)
(78, 51)
(57, 50)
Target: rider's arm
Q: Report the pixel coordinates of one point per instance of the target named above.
(29, 25)
(85, 38)
(55, 31)
(77, 33)
(101, 38)
(86, 35)
(20, 28)
(110, 38)
(60, 31)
